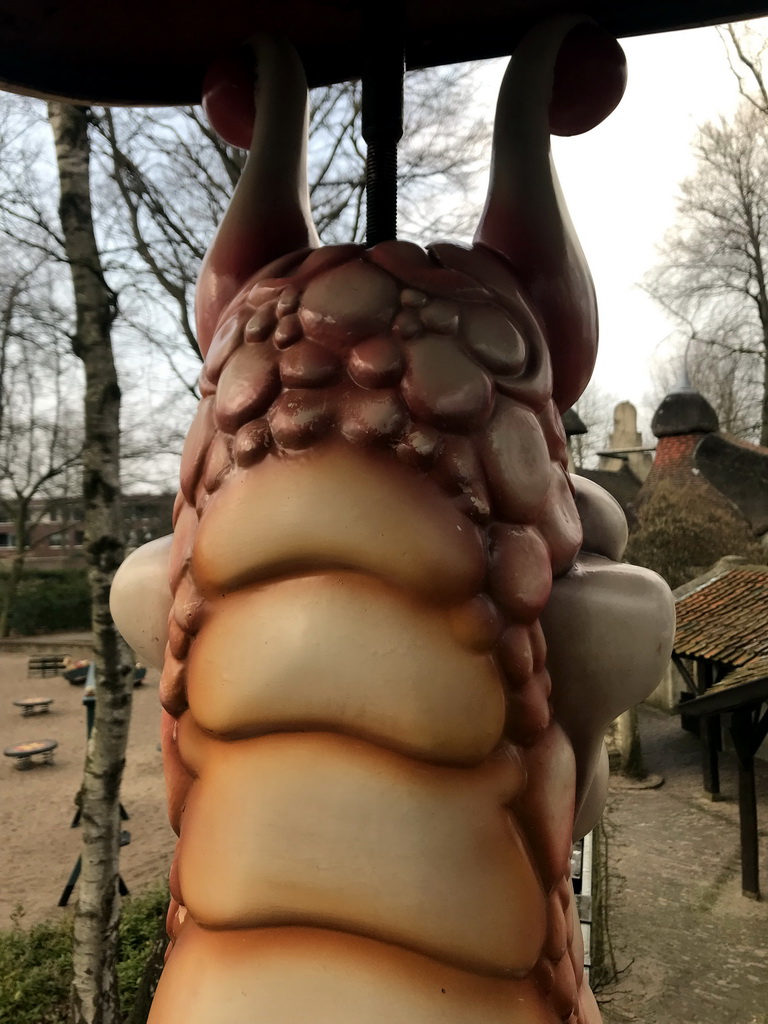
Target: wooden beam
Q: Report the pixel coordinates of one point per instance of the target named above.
(710, 751)
(761, 730)
(743, 735)
(682, 668)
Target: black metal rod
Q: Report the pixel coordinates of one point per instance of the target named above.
(89, 702)
(382, 114)
(71, 882)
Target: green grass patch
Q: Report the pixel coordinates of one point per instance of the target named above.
(36, 962)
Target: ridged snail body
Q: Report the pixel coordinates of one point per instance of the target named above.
(388, 665)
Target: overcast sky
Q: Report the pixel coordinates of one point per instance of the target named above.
(621, 182)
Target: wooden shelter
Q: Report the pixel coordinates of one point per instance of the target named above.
(721, 650)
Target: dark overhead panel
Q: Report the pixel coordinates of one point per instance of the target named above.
(156, 51)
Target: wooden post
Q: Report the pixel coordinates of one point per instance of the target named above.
(710, 749)
(710, 736)
(743, 741)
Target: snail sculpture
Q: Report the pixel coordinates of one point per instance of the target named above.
(383, 721)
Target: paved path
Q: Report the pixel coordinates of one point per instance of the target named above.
(690, 948)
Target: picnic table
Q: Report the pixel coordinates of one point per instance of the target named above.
(24, 752)
(34, 705)
(45, 665)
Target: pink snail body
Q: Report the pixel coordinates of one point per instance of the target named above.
(374, 757)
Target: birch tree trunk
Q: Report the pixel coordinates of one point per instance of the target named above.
(94, 991)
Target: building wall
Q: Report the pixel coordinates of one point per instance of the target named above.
(52, 543)
(625, 435)
(666, 696)
(675, 454)
(57, 542)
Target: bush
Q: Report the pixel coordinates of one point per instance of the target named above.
(50, 602)
(36, 964)
(683, 530)
(35, 973)
(142, 930)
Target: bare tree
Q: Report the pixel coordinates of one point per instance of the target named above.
(712, 273)
(40, 439)
(174, 176)
(95, 991)
(595, 410)
(730, 381)
(746, 49)
(439, 156)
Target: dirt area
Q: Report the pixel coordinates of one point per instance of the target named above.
(39, 848)
(690, 947)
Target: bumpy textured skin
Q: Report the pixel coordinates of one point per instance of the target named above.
(373, 779)
(377, 430)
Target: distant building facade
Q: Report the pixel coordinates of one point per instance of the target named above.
(625, 464)
(680, 423)
(58, 539)
(625, 444)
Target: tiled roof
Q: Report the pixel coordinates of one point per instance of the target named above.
(726, 618)
(740, 471)
(684, 411)
(673, 468)
(755, 669)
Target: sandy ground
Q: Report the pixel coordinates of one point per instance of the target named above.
(38, 847)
